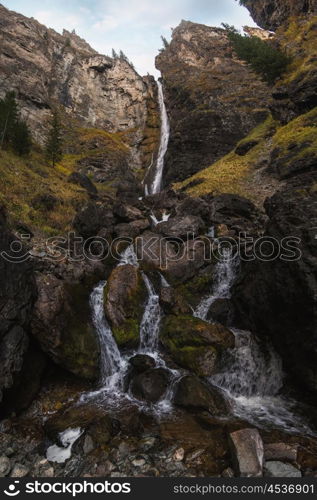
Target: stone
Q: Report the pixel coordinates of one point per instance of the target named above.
(188, 226)
(221, 311)
(5, 466)
(124, 296)
(193, 394)
(88, 445)
(150, 385)
(280, 452)
(228, 472)
(138, 462)
(19, 470)
(173, 302)
(247, 452)
(280, 469)
(195, 344)
(179, 454)
(141, 363)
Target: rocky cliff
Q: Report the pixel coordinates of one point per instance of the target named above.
(46, 69)
(213, 99)
(271, 14)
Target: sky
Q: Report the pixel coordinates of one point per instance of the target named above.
(134, 26)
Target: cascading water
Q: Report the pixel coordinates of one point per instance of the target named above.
(150, 325)
(252, 374)
(155, 174)
(112, 365)
(225, 273)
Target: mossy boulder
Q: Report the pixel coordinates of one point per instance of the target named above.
(61, 323)
(124, 297)
(195, 344)
(195, 395)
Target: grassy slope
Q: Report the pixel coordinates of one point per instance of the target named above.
(24, 179)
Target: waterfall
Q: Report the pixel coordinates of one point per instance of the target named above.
(112, 365)
(151, 321)
(155, 172)
(156, 221)
(225, 273)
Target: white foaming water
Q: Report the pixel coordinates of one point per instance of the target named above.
(151, 321)
(156, 185)
(225, 274)
(62, 453)
(164, 282)
(252, 379)
(165, 217)
(211, 232)
(112, 365)
(128, 256)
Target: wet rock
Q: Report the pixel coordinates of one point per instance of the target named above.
(172, 302)
(61, 323)
(280, 452)
(193, 394)
(280, 469)
(179, 263)
(228, 472)
(221, 311)
(92, 218)
(150, 385)
(195, 344)
(124, 297)
(141, 363)
(83, 181)
(194, 206)
(138, 462)
(5, 466)
(19, 470)
(188, 226)
(247, 452)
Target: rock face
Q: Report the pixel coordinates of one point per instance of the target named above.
(193, 394)
(61, 325)
(213, 99)
(124, 298)
(278, 297)
(46, 68)
(270, 14)
(17, 296)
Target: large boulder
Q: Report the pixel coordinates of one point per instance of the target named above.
(150, 385)
(61, 323)
(188, 226)
(195, 395)
(276, 296)
(124, 297)
(17, 296)
(247, 452)
(179, 263)
(195, 344)
(92, 218)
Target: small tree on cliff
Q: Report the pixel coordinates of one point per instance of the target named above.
(53, 146)
(265, 59)
(21, 139)
(14, 132)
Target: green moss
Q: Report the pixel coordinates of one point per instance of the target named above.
(128, 334)
(193, 290)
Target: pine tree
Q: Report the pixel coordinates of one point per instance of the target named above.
(165, 42)
(8, 118)
(114, 54)
(21, 140)
(53, 146)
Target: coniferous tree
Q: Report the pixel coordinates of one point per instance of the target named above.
(21, 140)
(53, 146)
